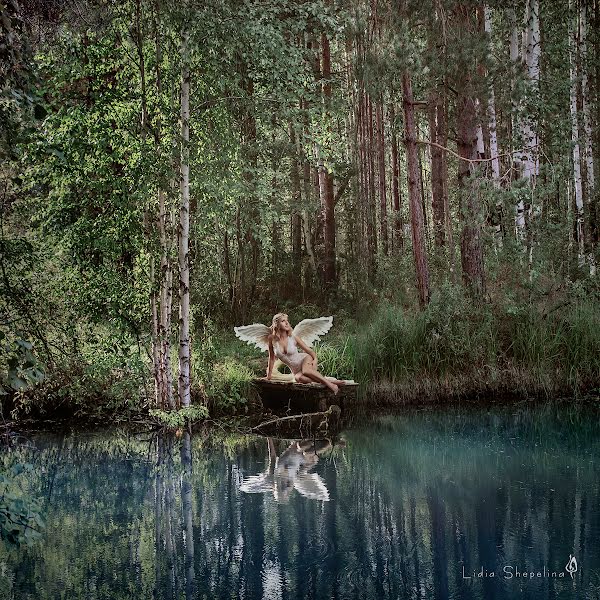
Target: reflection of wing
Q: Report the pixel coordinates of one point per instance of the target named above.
(257, 484)
(312, 486)
(256, 334)
(311, 329)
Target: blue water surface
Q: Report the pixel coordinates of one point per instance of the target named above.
(462, 503)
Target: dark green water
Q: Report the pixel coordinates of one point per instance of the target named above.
(409, 506)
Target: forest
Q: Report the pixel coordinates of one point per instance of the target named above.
(422, 171)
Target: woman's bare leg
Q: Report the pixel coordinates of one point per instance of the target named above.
(302, 378)
(308, 371)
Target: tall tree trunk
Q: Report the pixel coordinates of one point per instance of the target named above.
(514, 59)
(414, 193)
(397, 238)
(587, 128)
(471, 247)
(329, 275)
(372, 212)
(383, 222)
(296, 215)
(184, 227)
(435, 113)
(166, 241)
(577, 180)
(531, 57)
(493, 137)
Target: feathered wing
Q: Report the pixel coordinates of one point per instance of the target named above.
(256, 334)
(312, 486)
(310, 330)
(257, 484)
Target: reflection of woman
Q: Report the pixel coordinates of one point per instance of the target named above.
(284, 344)
(291, 470)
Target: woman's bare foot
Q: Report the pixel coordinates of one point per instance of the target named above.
(334, 388)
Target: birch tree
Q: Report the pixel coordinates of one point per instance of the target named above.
(184, 224)
(587, 128)
(492, 125)
(577, 181)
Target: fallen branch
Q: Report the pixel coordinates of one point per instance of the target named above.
(333, 410)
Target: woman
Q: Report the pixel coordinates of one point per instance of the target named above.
(284, 346)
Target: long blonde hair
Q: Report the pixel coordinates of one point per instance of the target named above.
(275, 324)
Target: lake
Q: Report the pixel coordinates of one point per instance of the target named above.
(473, 503)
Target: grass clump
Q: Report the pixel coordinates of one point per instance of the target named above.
(452, 334)
(457, 345)
(175, 419)
(229, 387)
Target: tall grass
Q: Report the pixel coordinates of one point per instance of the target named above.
(481, 346)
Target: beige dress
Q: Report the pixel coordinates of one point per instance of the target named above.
(292, 358)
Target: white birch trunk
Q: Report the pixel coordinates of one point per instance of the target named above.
(492, 124)
(184, 227)
(165, 220)
(587, 122)
(166, 300)
(514, 58)
(491, 110)
(155, 341)
(532, 63)
(575, 136)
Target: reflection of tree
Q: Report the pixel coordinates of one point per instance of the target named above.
(411, 501)
(186, 501)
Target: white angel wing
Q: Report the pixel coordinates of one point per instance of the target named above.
(257, 484)
(312, 486)
(256, 334)
(310, 330)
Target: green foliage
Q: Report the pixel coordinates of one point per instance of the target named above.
(19, 367)
(174, 419)
(335, 358)
(221, 371)
(90, 140)
(450, 335)
(230, 386)
(455, 337)
(108, 377)
(20, 517)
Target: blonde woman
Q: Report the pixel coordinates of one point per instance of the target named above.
(281, 342)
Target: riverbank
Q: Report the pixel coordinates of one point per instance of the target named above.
(455, 350)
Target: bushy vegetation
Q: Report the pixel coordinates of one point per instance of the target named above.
(298, 201)
(459, 345)
(21, 518)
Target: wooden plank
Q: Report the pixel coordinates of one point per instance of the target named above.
(302, 397)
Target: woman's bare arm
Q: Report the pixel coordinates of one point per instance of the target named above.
(271, 359)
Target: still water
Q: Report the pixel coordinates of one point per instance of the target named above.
(464, 503)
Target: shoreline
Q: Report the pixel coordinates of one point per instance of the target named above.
(381, 398)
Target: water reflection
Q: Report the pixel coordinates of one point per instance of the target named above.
(291, 470)
(423, 505)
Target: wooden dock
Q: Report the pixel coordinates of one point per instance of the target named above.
(282, 396)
